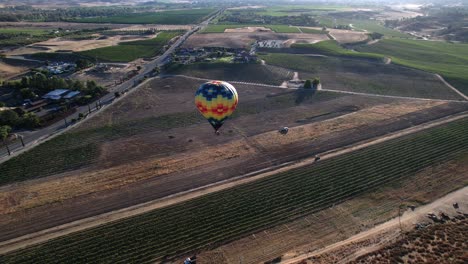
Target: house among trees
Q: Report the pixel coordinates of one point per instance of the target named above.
(55, 94)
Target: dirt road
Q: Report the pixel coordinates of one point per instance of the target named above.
(451, 87)
(65, 229)
(326, 90)
(409, 218)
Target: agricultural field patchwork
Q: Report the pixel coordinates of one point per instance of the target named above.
(254, 73)
(128, 51)
(254, 206)
(298, 166)
(447, 59)
(244, 39)
(365, 76)
(23, 36)
(276, 28)
(332, 48)
(173, 17)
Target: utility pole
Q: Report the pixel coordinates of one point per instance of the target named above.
(7, 148)
(22, 141)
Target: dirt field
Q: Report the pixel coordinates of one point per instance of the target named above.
(109, 77)
(438, 243)
(344, 36)
(7, 70)
(347, 36)
(170, 149)
(243, 40)
(154, 26)
(58, 44)
(247, 30)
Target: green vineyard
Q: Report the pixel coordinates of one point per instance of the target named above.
(219, 217)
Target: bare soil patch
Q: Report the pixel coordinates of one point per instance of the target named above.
(59, 44)
(348, 36)
(243, 40)
(8, 70)
(437, 243)
(247, 30)
(109, 77)
(345, 36)
(154, 26)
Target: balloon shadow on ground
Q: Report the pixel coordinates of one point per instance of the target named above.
(304, 94)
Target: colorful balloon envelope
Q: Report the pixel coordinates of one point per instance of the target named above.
(216, 101)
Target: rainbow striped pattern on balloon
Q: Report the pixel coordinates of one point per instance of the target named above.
(216, 101)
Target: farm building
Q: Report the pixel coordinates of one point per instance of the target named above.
(71, 95)
(35, 105)
(55, 94)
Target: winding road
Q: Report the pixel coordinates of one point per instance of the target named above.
(32, 138)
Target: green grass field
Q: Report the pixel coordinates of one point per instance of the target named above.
(23, 36)
(373, 26)
(275, 28)
(128, 51)
(357, 75)
(447, 59)
(368, 25)
(332, 48)
(255, 73)
(30, 31)
(215, 218)
(174, 17)
(313, 31)
(295, 10)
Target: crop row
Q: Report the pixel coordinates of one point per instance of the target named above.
(356, 75)
(230, 214)
(446, 59)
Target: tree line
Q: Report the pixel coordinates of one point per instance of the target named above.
(253, 18)
(27, 13)
(36, 85)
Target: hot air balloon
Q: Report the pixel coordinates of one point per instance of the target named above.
(216, 101)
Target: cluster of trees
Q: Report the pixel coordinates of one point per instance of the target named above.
(18, 118)
(149, 31)
(253, 18)
(28, 13)
(30, 87)
(83, 64)
(312, 84)
(375, 35)
(21, 38)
